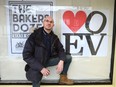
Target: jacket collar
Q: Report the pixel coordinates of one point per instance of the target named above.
(39, 36)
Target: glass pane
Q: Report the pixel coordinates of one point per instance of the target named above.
(84, 27)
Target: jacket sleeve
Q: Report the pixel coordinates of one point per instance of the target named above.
(28, 54)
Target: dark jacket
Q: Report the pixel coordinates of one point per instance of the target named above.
(35, 54)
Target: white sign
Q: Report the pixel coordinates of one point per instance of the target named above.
(85, 33)
(24, 16)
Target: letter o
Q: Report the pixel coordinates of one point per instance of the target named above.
(24, 29)
(88, 21)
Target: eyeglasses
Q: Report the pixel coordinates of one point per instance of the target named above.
(48, 21)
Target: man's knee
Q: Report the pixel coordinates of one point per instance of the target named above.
(68, 58)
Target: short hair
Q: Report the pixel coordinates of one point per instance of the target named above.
(46, 17)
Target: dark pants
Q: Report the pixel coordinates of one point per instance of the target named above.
(55, 61)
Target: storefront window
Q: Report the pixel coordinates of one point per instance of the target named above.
(85, 28)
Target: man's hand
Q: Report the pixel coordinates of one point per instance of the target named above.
(45, 72)
(60, 66)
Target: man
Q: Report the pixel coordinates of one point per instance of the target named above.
(43, 49)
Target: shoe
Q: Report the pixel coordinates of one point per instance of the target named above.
(65, 81)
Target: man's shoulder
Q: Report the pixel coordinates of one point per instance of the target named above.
(54, 35)
(38, 29)
(36, 32)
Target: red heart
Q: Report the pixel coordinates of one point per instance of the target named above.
(74, 22)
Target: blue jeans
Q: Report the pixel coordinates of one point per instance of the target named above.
(36, 84)
(55, 61)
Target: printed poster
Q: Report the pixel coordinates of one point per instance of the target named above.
(23, 18)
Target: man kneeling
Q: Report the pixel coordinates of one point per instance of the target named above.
(42, 49)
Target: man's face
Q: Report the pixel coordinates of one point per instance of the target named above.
(48, 23)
